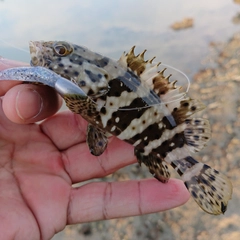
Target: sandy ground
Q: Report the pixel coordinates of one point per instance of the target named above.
(218, 86)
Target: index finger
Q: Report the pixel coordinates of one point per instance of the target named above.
(107, 200)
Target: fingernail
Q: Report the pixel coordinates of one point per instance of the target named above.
(29, 104)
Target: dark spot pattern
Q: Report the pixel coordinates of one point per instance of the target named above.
(149, 132)
(126, 116)
(82, 83)
(185, 104)
(116, 87)
(212, 178)
(77, 48)
(103, 110)
(194, 194)
(76, 73)
(130, 80)
(93, 77)
(101, 63)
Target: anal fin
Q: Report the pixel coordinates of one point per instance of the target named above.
(157, 167)
(96, 140)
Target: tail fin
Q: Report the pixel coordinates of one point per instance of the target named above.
(210, 189)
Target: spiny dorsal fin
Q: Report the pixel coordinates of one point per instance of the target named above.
(161, 84)
(180, 106)
(149, 73)
(132, 62)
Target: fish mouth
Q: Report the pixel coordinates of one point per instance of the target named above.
(35, 49)
(38, 53)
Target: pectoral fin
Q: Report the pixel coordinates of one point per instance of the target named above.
(96, 140)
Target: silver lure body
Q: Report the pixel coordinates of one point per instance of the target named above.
(44, 76)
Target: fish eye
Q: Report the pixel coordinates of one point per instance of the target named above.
(61, 50)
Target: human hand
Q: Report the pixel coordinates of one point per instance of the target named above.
(40, 162)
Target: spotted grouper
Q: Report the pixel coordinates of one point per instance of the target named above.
(132, 100)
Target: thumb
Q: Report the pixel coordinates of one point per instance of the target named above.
(28, 103)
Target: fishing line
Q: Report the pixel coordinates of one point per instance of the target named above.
(183, 94)
(13, 46)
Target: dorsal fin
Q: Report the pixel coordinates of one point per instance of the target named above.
(176, 101)
(148, 73)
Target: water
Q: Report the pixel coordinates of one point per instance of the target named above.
(111, 27)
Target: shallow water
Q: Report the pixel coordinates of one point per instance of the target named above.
(111, 27)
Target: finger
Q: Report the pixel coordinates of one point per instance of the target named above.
(28, 103)
(4, 64)
(100, 201)
(65, 129)
(81, 165)
(68, 132)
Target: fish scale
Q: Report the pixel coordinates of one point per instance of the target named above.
(132, 100)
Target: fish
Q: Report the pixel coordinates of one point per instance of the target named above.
(134, 101)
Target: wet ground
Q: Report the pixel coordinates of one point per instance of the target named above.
(218, 86)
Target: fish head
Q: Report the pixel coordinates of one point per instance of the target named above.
(75, 63)
(51, 54)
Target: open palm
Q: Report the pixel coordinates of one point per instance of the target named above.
(40, 162)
